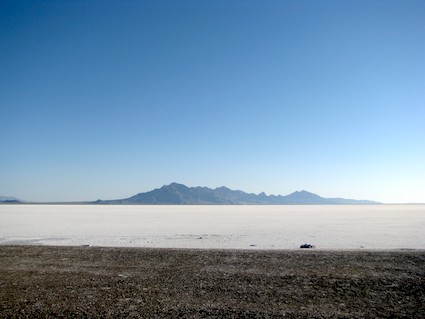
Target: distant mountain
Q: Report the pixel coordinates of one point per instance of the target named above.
(9, 199)
(179, 194)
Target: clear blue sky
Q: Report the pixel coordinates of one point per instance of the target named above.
(106, 99)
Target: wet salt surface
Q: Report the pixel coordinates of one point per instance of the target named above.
(236, 227)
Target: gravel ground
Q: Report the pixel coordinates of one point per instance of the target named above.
(95, 282)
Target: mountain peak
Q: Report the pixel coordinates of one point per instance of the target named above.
(304, 197)
(175, 185)
(302, 192)
(222, 188)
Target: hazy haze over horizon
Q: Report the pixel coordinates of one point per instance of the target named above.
(105, 99)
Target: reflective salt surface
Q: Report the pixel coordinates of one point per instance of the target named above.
(246, 227)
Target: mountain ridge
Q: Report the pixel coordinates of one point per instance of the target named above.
(180, 194)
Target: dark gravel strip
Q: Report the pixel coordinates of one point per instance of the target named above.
(95, 282)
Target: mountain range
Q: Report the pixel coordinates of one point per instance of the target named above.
(179, 194)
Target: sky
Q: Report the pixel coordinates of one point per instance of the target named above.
(107, 99)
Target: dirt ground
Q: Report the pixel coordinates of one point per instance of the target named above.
(95, 282)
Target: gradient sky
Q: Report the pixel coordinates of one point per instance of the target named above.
(106, 99)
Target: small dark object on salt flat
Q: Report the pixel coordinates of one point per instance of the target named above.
(307, 246)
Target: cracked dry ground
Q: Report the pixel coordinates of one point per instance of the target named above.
(89, 282)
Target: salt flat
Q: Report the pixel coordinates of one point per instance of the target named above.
(233, 227)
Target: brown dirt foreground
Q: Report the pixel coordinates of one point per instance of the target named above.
(89, 282)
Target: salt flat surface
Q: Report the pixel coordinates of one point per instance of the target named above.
(238, 227)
